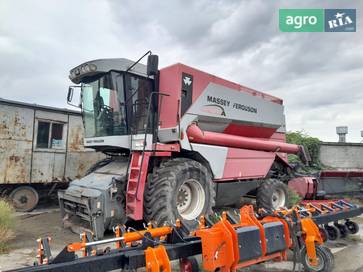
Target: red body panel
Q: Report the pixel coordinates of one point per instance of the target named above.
(170, 83)
(306, 187)
(247, 164)
(341, 173)
(249, 131)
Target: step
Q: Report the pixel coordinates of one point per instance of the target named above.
(131, 192)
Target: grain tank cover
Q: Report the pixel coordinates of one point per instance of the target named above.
(217, 104)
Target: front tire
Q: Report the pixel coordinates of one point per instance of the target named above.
(271, 195)
(325, 260)
(179, 189)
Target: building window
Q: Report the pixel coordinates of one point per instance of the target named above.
(50, 135)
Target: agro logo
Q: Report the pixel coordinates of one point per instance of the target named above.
(340, 20)
(299, 21)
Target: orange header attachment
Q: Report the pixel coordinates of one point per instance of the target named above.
(219, 246)
(157, 259)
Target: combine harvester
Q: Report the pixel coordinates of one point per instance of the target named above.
(180, 142)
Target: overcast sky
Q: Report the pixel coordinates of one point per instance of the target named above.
(318, 75)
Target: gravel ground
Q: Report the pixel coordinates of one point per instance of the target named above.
(45, 222)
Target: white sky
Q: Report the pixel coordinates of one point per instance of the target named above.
(318, 75)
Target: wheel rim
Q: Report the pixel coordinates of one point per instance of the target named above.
(278, 198)
(190, 199)
(24, 199)
(320, 263)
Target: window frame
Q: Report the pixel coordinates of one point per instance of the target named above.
(50, 146)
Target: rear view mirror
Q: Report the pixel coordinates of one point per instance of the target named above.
(152, 65)
(70, 94)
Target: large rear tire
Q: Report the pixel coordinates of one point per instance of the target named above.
(179, 189)
(272, 194)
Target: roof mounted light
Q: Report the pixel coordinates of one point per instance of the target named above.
(83, 69)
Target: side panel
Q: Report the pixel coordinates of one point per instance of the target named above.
(170, 79)
(47, 166)
(231, 106)
(16, 133)
(215, 155)
(170, 82)
(247, 164)
(234, 163)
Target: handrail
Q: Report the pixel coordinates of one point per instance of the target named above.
(145, 135)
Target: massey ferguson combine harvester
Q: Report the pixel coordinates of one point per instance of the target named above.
(180, 142)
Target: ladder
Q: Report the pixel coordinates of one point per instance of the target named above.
(138, 169)
(136, 184)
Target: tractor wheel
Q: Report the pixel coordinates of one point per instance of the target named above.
(352, 227)
(325, 260)
(179, 189)
(342, 228)
(271, 195)
(24, 198)
(333, 232)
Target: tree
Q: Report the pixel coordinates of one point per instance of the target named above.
(311, 144)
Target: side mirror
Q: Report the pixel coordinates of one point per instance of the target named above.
(70, 94)
(152, 65)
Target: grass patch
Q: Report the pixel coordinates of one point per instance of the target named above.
(293, 198)
(7, 225)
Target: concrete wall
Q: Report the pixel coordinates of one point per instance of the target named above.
(342, 155)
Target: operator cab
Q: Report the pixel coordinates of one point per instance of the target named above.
(115, 102)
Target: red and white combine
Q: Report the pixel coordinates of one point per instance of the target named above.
(179, 143)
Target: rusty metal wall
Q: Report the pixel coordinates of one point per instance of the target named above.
(21, 161)
(16, 136)
(78, 159)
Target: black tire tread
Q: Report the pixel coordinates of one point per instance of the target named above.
(263, 196)
(162, 183)
(328, 259)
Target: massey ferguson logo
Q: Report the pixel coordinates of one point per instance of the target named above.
(187, 80)
(219, 103)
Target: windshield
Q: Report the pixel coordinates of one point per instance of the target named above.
(116, 104)
(103, 106)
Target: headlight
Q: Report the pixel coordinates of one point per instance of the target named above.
(82, 69)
